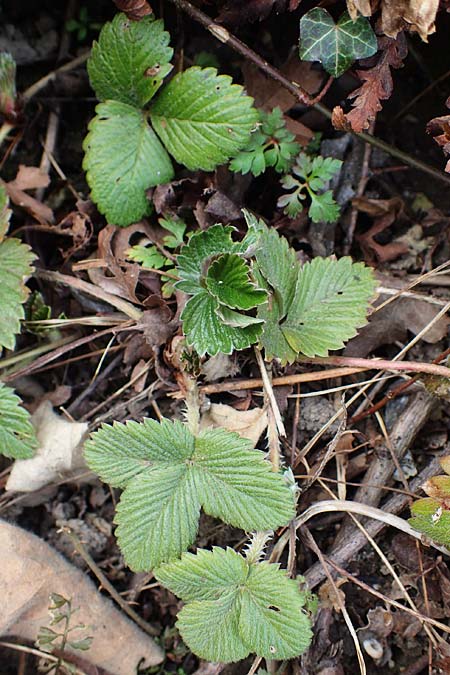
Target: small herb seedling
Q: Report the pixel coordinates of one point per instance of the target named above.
(308, 179)
(200, 118)
(271, 145)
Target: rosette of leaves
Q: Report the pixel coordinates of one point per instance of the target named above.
(307, 181)
(236, 606)
(200, 118)
(271, 145)
(168, 475)
(16, 265)
(431, 515)
(219, 316)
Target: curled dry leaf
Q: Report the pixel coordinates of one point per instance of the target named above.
(31, 570)
(439, 127)
(376, 86)
(396, 15)
(134, 9)
(247, 423)
(30, 178)
(59, 454)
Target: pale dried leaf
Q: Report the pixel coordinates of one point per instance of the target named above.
(247, 423)
(416, 15)
(356, 7)
(31, 570)
(59, 454)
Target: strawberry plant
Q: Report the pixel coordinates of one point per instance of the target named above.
(200, 118)
(240, 293)
(431, 515)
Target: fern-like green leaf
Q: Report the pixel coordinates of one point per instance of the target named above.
(16, 265)
(330, 303)
(258, 610)
(168, 474)
(17, 437)
(130, 60)
(123, 157)
(202, 118)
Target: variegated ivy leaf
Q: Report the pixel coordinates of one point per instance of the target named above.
(202, 118)
(168, 475)
(235, 607)
(336, 46)
(212, 270)
(17, 436)
(130, 60)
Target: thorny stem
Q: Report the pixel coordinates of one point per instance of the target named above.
(296, 90)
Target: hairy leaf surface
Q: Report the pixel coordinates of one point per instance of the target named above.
(168, 475)
(130, 60)
(260, 610)
(123, 158)
(202, 118)
(17, 436)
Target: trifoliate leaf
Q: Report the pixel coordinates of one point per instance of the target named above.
(244, 607)
(130, 60)
(17, 436)
(336, 46)
(169, 474)
(15, 266)
(330, 303)
(323, 208)
(123, 158)
(432, 518)
(202, 118)
(228, 280)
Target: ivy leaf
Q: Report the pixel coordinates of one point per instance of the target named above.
(202, 118)
(168, 475)
(228, 280)
(17, 437)
(432, 518)
(330, 303)
(130, 60)
(16, 264)
(123, 158)
(244, 607)
(336, 46)
(323, 208)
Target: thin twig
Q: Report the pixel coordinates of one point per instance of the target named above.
(295, 88)
(79, 548)
(382, 364)
(40, 84)
(269, 393)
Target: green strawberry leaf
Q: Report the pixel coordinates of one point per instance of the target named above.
(17, 436)
(432, 518)
(336, 46)
(330, 303)
(123, 158)
(228, 280)
(16, 265)
(202, 118)
(243, 607)
(130, 60)
(168, 475)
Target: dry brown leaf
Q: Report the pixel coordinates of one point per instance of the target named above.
(385, 212)
(356, 7)
(439, 127)
(134, 9)
(31, 570)
(30, 178)
(415, 15)
(59, 453)
(376, 85)
(247, 423)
